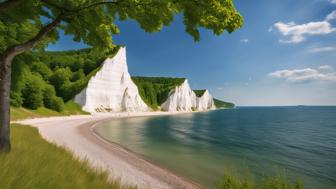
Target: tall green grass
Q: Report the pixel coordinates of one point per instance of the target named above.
(34, 163)
(277, 182)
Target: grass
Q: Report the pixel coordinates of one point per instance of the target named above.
(278, 182)
(71, 108)
(35, 163)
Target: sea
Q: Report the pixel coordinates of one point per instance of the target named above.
(294, 142)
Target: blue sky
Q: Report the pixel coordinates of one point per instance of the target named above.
(285, 54)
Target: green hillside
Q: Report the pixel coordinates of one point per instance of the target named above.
(155, 90)
(222, 104)
(49, 79)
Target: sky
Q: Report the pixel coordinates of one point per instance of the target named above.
(285, 54)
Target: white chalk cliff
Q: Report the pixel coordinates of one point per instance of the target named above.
(111, 89)
(205, 102)
(183, 98)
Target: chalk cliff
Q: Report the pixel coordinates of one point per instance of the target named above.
(111, 89)
(183, 98)
(205, 102)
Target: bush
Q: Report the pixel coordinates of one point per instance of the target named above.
(50, 100)
(60, 77)
(32, 93)
(78, 64)
(16, 99)
(78, 75)
(42, 69)
(56, 104)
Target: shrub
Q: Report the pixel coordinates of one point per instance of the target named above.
(16, 99)
(56, 104)
(50, 100)
(42, 69)
(78, 75)
(32, 93)
(78, 64)
(60, 77)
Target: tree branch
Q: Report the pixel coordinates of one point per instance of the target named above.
(11, 52)
(9, 4)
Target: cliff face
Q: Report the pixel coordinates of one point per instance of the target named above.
(205, 102)
(111, 89)
(180, 99)
(183, 98)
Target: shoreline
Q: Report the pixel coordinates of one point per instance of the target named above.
(77, 134)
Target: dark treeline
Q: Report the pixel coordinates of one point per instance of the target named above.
(200, 92)
(51, 78)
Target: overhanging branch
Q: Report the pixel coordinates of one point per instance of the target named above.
(9, 4)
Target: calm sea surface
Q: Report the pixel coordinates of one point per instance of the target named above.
(300, 141)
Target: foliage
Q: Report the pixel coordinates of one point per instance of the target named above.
(279, 182)
(199, 93)
(222, 104)
(42, 69)
(32, 92)
(50, 99)
(33, 162)
(94, 22)
(155, 90)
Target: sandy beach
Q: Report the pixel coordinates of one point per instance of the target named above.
(76, 134)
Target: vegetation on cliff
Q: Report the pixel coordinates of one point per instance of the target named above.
(223, 104)
(199, 93)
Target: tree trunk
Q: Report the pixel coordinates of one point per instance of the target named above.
(6, 59)
(5, 80)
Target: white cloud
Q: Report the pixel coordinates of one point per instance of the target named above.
(307, 74)
(325, 67)
(332, 15)
(333, 1)
(296, 33)
(244, 40)
(322, 49)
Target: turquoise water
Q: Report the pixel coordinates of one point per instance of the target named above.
(257, 140)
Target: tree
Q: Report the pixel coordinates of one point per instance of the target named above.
(27, 24)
